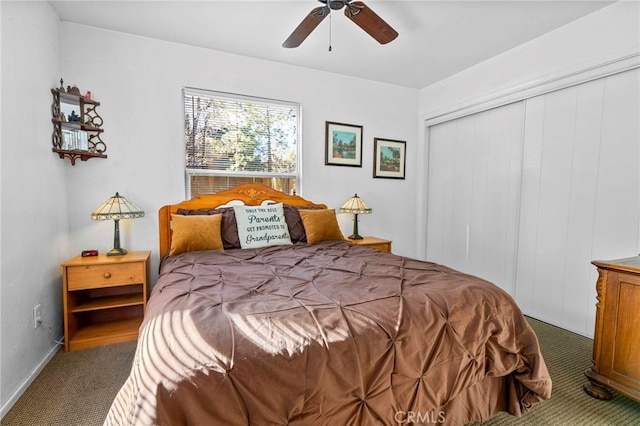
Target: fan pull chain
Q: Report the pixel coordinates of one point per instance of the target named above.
(330, 21)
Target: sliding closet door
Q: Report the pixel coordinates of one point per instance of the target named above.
(474, 193)
(580, 195)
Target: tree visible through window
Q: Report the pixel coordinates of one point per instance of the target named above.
(234, 139)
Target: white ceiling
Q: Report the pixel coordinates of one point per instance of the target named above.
(437, 38)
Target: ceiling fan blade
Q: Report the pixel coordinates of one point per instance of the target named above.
(308, 24)
(370, 22)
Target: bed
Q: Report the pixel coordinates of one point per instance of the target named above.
(318, 331)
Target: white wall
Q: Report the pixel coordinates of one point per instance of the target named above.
(34, 196)
(139, 81)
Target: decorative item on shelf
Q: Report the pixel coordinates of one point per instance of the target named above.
(74, 118)
(116, 208)
(355, 206)
(73, 90)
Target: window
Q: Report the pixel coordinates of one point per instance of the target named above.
(233, 139)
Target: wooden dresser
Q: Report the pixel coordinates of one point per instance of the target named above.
(616, 342)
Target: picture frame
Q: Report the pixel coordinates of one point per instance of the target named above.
(389, 158)
(343, 144)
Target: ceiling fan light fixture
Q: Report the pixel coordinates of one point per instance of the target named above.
(335, 4)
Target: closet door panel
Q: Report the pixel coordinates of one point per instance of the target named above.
(618, 193)
(462, 190)
(476, 227)
(440, 193)
(449, 192)
(473, 193)
(529, 203)
(578, 272)
(557, 202)
(580, 168)
(554, 193)
(496, 196)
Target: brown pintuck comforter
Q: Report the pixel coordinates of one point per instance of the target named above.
(328, 333)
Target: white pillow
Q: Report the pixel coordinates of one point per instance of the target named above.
(260, 226)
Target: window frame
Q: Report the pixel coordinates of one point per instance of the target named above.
(234, 97)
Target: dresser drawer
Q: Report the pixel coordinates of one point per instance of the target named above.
(99, 276)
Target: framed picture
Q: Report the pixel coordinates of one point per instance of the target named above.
(343, 145)
(389, 158)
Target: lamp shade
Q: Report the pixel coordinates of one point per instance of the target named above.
(355, 206)
(116, 208)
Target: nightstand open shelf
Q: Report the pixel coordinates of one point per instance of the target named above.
(109, 302)
(103, 333)
(104, 298)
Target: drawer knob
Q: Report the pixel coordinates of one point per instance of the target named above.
(107, 275)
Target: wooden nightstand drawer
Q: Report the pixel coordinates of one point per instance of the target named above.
(374, 243)
(99, 276)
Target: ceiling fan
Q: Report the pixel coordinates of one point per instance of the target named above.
(357, 11)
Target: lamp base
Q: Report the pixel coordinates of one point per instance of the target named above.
(116, 252)
(355, 235)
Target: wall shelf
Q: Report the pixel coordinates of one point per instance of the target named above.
(77, 126)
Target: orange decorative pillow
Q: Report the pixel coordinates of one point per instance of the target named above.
(321, 225)
(194, 233)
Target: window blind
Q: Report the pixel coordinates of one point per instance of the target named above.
(232, 139)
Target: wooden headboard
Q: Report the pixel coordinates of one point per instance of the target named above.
(251, 194)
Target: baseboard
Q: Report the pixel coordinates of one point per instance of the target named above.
(27, 381)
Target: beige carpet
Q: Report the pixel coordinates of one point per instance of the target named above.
(76, 388)
(567, 356)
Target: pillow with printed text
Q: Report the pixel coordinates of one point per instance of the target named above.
(260, 226)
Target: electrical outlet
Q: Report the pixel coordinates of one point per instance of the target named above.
(37, 316)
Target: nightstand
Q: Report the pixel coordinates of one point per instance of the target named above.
(104, 298)
(373, 242)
